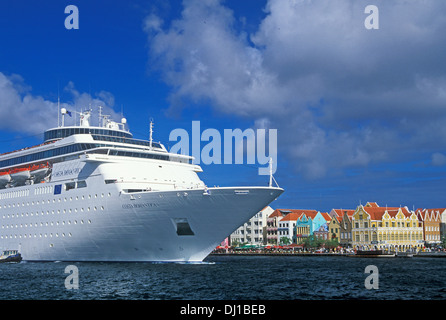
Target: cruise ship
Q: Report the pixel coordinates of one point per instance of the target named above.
(95, 193)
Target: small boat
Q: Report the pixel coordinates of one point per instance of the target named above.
(20, 175)
(373, 254)
(5, 178)
(10, 256)
(404, 255)
(38, 172)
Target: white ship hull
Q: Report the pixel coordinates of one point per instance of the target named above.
(104, 196)
(113, 226)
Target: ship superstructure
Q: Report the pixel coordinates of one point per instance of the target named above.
(94, 193)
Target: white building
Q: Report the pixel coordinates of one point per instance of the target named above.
(254, 230)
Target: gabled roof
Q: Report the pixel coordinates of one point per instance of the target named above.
(326, 216)
(276, 213)
(376, 213)
(429, 214)
(294, 214)
(341, 212)
(372, 204)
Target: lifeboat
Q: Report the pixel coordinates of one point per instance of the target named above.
(20, 175)
(5, 178)
(38, 172)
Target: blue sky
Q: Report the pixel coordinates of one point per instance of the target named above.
(360, 113)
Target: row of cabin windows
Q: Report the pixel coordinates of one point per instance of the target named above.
(41, 213)
(76, 148)
(20, 236)
(46, 224)
(66, 132)
(42, 202)
(49, 153)
(127, 140)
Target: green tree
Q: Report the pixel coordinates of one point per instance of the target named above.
(285, 241)
(312, 242)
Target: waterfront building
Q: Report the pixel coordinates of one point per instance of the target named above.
(334, 228)
(272, 224)
(287, 225)
(431, 219)
(307, 223)
(253, 231)
(345, 227)
(394, 229)
(443, 222)
(322, 232)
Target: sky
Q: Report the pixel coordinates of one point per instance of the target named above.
(360, 113)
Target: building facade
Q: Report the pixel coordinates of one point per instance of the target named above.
(344, 216)
(334, 229)
(322, 232)
(431, 219)
(254, 231)
(392, 229)
(308, 223)
(287, 226)
(272, 225)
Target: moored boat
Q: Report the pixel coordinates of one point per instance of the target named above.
(373, 254)
(10, 256)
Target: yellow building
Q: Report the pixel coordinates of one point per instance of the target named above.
(334, 229)
(391, 229)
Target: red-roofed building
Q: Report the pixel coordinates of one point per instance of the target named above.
(272, 224)
(389, 228)
(287, 224)
(345, 224)
(431, 225)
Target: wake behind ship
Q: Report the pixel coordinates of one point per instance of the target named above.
(94, 193)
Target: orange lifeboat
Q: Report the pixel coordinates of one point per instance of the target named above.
(20, 175)
(39, 171)
(5, 178)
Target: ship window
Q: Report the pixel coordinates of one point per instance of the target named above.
(81, 184)
(70, 185)
(182, 227)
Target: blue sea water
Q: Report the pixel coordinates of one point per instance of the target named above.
(230, 278)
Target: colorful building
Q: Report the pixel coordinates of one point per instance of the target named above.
(431, 219)
(307, 223)
(334, 229)
(344, 216)
(287, 226)
(393, 229)
(272, 225)
(322, 232)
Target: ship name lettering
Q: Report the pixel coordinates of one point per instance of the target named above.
(139, 205)
(66, 172)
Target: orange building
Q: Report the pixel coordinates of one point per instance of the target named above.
(431, 219)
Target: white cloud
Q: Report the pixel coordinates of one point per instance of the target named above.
(341, 96)
(27, 113)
